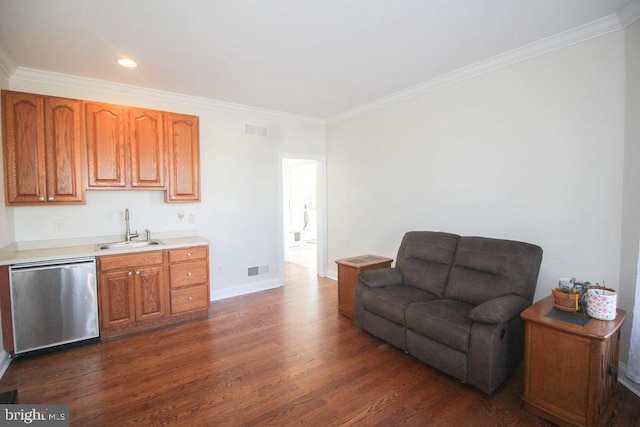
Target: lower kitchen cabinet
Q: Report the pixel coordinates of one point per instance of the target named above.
(132, 288)
(116, 299)
(189, 279)
(137, 291)
(149, 289)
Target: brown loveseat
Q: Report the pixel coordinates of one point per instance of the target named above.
(454, 303)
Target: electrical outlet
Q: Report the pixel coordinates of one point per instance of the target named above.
(192, 218)
(219, 268)
(58, 225)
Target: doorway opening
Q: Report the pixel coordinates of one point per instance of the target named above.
(300, 211)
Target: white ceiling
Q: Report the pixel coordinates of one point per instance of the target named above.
(311, 57)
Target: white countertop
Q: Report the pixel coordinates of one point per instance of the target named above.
(27, 252)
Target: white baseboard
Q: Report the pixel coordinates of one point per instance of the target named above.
(332, 274)
(218, 294)
(622, 379)
(5, 361)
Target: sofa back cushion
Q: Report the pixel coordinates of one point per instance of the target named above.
(425, 259)
(484, 269)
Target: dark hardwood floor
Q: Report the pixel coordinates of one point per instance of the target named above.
(278, 357)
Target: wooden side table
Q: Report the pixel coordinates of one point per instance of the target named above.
(348, 271)
(571, 370)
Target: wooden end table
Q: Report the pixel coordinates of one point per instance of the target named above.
(571, 370)
(348, 271)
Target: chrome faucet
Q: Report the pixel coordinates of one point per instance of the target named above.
(128, 234)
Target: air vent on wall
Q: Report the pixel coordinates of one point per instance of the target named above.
(260, 269)
(255, 130)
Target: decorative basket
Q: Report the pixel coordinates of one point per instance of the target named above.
(565, 301)
(601, 303)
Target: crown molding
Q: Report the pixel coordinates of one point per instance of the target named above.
(630, 13)
(67, 80)
(7, 65)
(597, 28)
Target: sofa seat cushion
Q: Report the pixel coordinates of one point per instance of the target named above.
(445, 321)
(391, 302)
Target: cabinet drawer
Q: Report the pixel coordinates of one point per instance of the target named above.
(188, 273)
(141, 259)
(187, 299)
(188, 254)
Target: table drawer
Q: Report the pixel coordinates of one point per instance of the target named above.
(188, 254)
(188, 273)
(187, 299)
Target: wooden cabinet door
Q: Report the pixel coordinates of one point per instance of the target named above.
(116, 299)
(64, 153)
(146, 148)
(150, 288)
(182, 135)
(604, 380)
(24, 150)
(105, 135)
(43, 149)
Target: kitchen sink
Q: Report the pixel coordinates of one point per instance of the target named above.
(131, 244)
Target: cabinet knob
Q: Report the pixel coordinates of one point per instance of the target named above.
(188, 254)
(130, 273)
(613, 370)
(135, 184)
(138, 272)
(189, 298)
(41, 199)
(51, 199)
(189, 274)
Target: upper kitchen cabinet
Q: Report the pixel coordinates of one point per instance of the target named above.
(43, 149)
(125, 147)
(183, 146)
(105, 130)
(146, 148)
(56, 148)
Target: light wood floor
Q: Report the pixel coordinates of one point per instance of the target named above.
(279, 357)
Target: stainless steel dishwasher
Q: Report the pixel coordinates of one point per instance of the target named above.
(54, 304)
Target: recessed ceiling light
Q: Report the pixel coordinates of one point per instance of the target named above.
(126, 62)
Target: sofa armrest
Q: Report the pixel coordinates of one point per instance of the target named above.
(499, 310)
(381, 277)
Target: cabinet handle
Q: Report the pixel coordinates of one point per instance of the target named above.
(51, 199)
(189, 298)
(613, 371)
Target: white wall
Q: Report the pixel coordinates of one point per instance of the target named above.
(239, 212)
(6, 214)
(631, 197)
(532, 152)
